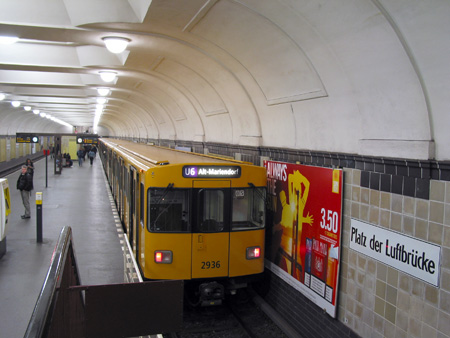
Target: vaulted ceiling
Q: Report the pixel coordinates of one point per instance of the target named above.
(350, 76)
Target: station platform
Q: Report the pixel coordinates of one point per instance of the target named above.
(80, 198)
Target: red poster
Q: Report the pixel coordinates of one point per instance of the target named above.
(304, 241)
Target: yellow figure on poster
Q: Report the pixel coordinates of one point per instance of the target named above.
(291, 224)
(286, 228)
(288, 217)
(300, 189)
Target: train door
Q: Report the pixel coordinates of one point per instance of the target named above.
(116, 182)
(210, 238)
(141, 201)
(123, 193)
(114, 178)
(110, 168)
(136, 212)
(120, 187)
(132, 206)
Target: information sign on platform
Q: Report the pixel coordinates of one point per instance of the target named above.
(407, 254)
(304, 241)
(26, 138)
(87, 140)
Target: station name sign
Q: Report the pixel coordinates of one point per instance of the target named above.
(415, 257)
(209, 171)
(87, 140)
(26, 138)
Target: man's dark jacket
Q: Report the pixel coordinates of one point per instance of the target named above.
(25, 182)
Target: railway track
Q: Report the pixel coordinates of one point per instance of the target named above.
(239, 318)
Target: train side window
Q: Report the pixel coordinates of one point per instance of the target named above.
(168, 210)
(248, 208)
(211, 204)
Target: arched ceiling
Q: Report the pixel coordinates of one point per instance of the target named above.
(363, 77)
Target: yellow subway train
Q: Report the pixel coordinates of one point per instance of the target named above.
(189, 216)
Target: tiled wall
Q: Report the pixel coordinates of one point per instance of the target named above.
(380, 301)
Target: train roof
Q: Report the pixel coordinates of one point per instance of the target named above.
(161, 156)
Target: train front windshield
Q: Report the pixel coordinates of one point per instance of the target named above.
(205, 210)
(248, 208)
(169, 210)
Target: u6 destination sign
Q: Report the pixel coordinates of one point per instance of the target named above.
(209, 171)
(414, 257)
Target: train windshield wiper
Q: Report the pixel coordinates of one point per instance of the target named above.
(258, 191)
(161, 198)
(164, 193)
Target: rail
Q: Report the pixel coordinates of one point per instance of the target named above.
(40, 324)
(65, 308)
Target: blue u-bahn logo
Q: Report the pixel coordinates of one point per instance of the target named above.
(189, 171)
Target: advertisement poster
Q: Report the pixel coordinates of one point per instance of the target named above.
(303, 244)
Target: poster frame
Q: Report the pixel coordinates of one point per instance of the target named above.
(330, 307)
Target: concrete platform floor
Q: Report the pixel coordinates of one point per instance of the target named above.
(78, 198)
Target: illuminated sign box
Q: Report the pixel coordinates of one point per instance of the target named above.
(87, 140)
(26, 138)
(210, 171)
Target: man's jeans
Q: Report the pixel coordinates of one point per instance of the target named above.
(26, 201)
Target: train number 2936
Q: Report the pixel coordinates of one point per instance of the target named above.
(211, 265)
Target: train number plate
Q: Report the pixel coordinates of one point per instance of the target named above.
(210, 265)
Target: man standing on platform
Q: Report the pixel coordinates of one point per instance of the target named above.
(25, 185)
(91, 155)
(80, 154)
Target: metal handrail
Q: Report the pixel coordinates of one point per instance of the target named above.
(46, 298)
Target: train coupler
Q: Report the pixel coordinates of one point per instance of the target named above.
(211, 294)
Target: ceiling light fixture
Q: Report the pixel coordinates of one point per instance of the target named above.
(27, 108)
(42, 114)
(108, 76)
(8, 40)
(36, 111)
(103, 91)
(15, 103)
(2, 96)
(101, 100)
(116, 44)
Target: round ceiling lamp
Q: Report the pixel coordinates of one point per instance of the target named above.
(35, 111)
(103, 91)
(8, 40)
(108, 76)
(27, 108)
(116, 44)
(15, 103)
(2, 96)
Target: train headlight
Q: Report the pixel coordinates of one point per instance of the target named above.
(163, 257)
(253, 252)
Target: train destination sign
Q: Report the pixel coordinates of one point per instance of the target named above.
(87, 140)
(210, 171)
(26, 138)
